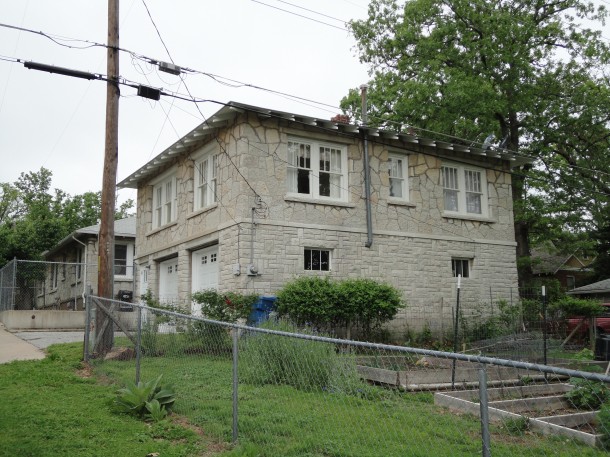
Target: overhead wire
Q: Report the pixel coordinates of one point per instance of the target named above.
(300, 15)
(312, 11)
(226, 154)
(285, 94)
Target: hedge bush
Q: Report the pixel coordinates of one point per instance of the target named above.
(326, 304)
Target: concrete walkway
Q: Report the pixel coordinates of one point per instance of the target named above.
(14, 348)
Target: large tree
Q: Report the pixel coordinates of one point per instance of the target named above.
(529, 71)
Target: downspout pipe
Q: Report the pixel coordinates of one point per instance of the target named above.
(367, 170)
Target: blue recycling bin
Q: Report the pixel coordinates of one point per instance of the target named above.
(261, 311)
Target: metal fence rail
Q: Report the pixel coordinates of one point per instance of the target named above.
(29, 284)
(286, 392)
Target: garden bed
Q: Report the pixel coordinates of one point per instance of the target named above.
(538, 404)
(431, 373)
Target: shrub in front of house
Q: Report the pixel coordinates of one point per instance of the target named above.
(326, 304)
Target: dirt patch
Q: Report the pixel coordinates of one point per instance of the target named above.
(85, 371)
(213, 447)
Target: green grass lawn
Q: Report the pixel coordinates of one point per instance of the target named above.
(276, 419)
(49, 410)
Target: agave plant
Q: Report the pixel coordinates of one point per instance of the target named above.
(147, 400)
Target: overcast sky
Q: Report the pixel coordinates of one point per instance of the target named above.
(58, 121)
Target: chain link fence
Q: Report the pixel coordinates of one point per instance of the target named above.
(27, 284)
(278, 390)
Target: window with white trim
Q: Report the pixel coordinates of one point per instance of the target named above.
(398, 171)
(464, 190)
(317, 259)
(317, 170)
(165, 200)
(206, 181)
(460, 267)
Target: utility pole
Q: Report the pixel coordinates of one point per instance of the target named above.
(104, 330)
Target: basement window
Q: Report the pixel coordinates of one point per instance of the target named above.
(317, 259)
(460, 267)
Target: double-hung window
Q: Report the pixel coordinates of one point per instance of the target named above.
(397, 169)
(120, 259)
(165, 201)
(317, 170)
(464, 190)
(206, 181)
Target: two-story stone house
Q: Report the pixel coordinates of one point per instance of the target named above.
(253, 198)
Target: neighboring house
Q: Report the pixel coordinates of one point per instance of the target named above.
(75, 265)
(571, 270)
(598, 290)
(253, 197)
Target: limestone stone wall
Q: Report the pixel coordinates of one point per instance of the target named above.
(413, 242)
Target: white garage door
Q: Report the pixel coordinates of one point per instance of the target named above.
(204, 272)
(168, 281)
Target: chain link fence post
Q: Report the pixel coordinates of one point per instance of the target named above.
(235, 382)
(139, 345)
(87, 324)
(484, 405)
(14, 282)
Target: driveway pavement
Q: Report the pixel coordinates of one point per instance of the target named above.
(30, 345)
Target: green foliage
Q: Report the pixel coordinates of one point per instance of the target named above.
(325, 303)
(146, 400)
(70, 415)
(516, 427)
(33, 219)
(603, 425)
(225, 307)
(304, 364)
(570, 306)
(309, 299)
(532, 73)
(588, 394)
(366, 302)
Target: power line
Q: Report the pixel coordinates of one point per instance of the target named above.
(284, 94)
(195, 100)
(300, 15)
(312, 11)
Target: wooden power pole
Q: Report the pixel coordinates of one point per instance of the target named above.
(104, 326)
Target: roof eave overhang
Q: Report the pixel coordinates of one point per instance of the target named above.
(229, 112)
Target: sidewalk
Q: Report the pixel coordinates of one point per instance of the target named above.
(14, 348)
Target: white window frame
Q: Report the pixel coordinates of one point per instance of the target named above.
(337, 168)
(206, 181)
(129, 251)
(310, 252)
(165, 202)
(398, 170)
(457, 267)
(456, 181)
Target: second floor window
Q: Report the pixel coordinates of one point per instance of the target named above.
(205, 181)
(399, 188)
(317, 170)
(464, 190)
(164, 202)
